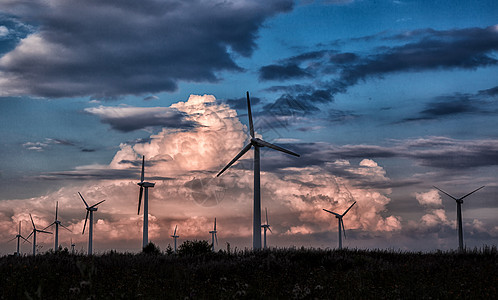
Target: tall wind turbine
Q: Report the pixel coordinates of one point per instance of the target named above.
(341, 223)
(143, 184)
(89, 211)
(265, 227)
(257, 144)
(57, 223)
(34, 234)
(19, 237)
(174, 236)
(459, 202)
(213, 234)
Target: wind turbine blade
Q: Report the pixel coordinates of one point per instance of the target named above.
(19, 227)
(56, 209)
(215, 225)
(96, 204)
(34, 227)
(143, 169)
(66, 228)
(266, 211)
(343, 229)
(246, 148)
(29, 235)
(331, 212)
(12, 239)
(348, 208)
(251, 126)
(269, 228)
(140, 198)
(49, 226)
(86, 218)
(216, 238)
(175, 230)
(44, 231)
(25, 240)
(83, 199)
(445, 193)
(472, 192)
(275, 147)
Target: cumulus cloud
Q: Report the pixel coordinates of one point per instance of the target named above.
(188, 194)
(112, 48)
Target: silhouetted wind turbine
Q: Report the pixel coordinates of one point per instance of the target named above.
(341, 223)
(174, 236)
(213, 234)
(57, 223)
(256, 143)
(19, 237)
(143, 184)
(265, 227)
(34, 234)
(459, 202)
(72, 247)
(89, 211)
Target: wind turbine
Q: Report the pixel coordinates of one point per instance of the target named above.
(34, 234)
(72, 247)
(19, 237)
(89, 211)
(57, 223)
(213, 234)
(459, 202)
(266, 227)
(341, 223)
(174, 236)
(257, 143)
(143, 184)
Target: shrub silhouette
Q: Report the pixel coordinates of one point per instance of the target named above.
(152, 249)
(191, 248)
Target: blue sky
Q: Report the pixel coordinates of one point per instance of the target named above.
(383, 99)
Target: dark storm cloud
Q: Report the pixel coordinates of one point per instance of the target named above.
(127, 119)
(241, 103)
(97, 174)
(11, 32)
(282, 72)
(421, 50)
(110, 48)
(489, 92)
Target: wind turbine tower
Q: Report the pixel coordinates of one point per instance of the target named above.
(89, 211)
(265, 227)
(72, 247)
(174, 236)
(57, 223)
(459, 202)
(341, 223)
(144, 185)
(257, 143)
(34, 234)
(213, 234)
(19, 237)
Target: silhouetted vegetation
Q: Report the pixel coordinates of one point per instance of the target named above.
(191, 248)
(277, 273)
(151, 249)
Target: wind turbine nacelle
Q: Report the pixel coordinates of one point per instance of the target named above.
(146, 184)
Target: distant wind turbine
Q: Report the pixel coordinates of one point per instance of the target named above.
(143, 184)
(72, 247)
(19, 237)
(213, 234)
(257, 143)
(34, 234)
(174, 236)
(459, 202)
(341, 223)
(265, 227)
(57, 223)
(89, 211)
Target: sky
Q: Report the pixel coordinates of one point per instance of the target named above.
(383, 100)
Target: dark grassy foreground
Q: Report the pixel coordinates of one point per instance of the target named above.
(275, 274)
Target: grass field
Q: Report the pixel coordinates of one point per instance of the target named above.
(271, 274)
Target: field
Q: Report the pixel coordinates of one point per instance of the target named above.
(270, 274)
